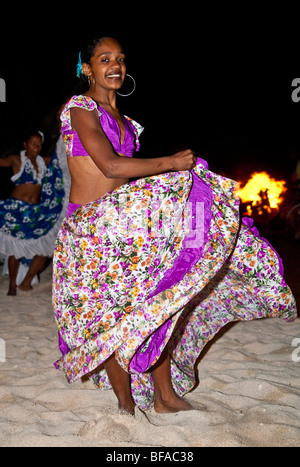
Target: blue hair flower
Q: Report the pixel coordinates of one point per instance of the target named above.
(79, 66)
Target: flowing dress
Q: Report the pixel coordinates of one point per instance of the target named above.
(163, 259)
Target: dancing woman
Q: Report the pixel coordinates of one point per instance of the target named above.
(28, 217)
(147, 272)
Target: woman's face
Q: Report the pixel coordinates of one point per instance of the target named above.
(107, 69)
(33, 146)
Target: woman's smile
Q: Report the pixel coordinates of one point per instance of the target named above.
(114, 75)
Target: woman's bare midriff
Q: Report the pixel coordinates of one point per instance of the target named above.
(28, 192)
(88, 183)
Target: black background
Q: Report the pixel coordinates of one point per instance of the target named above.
(218, 82)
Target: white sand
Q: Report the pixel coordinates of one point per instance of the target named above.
(248, 383)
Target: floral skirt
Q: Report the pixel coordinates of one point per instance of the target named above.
(162, 260)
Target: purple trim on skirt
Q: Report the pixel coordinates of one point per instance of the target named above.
(71, 208)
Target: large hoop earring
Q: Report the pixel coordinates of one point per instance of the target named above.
(134, 86)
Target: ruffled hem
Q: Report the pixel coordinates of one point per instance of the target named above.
(43, 246)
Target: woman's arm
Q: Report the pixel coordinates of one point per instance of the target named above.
(87, 125)
(10, 161)
(7, 161)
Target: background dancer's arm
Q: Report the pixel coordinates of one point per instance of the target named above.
(10, 161)
(99, 148)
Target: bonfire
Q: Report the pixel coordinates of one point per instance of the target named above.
(262, 196)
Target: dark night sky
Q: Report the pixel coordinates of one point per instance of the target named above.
(220, 86)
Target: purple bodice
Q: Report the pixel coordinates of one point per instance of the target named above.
(74, 147)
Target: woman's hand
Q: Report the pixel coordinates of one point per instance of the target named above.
(184, 160)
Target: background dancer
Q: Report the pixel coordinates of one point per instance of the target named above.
(28, 217)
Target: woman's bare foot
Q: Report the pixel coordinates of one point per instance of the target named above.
(127, 408)
(25, 287)
(12, 291)
(171, 405)
(166, 399)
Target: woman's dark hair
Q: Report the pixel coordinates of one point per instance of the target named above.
(33, 132)
(89, 50)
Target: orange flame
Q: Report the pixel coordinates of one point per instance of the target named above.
(263, 192)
